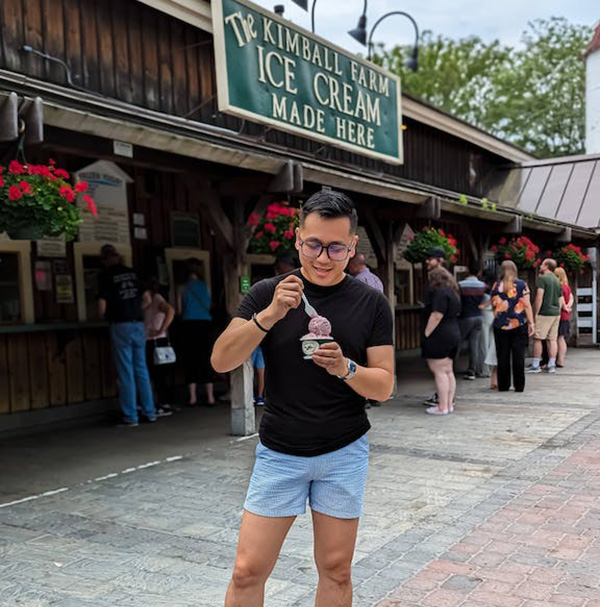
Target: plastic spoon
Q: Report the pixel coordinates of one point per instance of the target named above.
(308, 308)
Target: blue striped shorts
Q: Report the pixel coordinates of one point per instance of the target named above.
(333, 483)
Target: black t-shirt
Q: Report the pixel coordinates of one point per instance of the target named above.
(121, 288)
(310, 412)
(443, 300)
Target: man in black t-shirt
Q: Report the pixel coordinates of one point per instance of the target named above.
(120, 302)
(313, 444)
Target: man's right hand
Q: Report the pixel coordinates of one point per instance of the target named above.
(288, 295)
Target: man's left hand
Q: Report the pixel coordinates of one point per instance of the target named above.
(331, 358)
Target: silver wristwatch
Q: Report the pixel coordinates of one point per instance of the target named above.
(351, 370)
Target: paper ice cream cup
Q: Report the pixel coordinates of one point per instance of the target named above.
(311, 344)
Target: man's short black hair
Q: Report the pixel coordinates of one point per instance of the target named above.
(330, 204)
(474, 268)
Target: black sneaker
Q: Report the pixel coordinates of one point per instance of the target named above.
(163, 411)
(432, 400)
(469, 375)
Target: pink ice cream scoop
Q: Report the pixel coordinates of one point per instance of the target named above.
(320, 326)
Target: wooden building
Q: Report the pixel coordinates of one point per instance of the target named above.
(131, 84)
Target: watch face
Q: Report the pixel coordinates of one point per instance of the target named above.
(352, 366)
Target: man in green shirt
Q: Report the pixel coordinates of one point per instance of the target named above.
(548, 303)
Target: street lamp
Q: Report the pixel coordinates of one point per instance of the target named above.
(360, 33)
(413, 61)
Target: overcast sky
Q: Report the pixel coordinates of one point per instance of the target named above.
(504, 19)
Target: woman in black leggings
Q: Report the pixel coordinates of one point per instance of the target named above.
(513, 323)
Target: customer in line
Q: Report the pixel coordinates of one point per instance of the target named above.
(488, 343)
(549, 302)
(564, 327)
(472, 292)
(158, 316)
(194, 303)
(120, 302)
(513, 322)
(441, 333)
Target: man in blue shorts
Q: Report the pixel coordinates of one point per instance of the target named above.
(313, 445)
(258, 363)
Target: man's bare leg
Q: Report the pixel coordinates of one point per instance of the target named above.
(259, 544)
(335, 539)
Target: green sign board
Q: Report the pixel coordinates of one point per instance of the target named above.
(272, 71)
(244, 284)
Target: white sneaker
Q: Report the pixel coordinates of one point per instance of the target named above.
(533, 369)
(551, 369)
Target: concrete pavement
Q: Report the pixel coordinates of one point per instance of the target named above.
(149, 516)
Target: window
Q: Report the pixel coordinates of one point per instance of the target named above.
(16, 284)
(10, 292)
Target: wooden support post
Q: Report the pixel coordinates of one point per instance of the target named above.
(378, 241)
(242, 378)
(242, 400)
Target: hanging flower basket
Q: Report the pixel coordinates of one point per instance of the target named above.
(40, 200)
(571, 258)
(418, 250)
(521, 250)
(275, 232)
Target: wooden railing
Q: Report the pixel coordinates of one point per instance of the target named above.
(408, 327)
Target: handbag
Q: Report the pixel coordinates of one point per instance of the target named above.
(164, 355)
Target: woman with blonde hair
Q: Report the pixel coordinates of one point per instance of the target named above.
(564, 328)
(513, 322)
(441, 336)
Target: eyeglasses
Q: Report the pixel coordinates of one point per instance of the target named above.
(335, 251)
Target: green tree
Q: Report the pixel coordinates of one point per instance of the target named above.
(532, 96)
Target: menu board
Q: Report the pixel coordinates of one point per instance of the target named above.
(108, 187)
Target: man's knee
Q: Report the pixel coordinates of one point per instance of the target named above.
(336, 568)
(247, 574)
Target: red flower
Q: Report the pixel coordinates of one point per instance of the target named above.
(493, 248)
(253, 220)
(506, 255)
(274, 244)
(82, 186)
(91, 205)
(269, 227)
(62, 173)
(289, 234)
(14, 192)
(64, 190)
(26, 187)
(502, 240)
(15, 167)
(441, 233)
(1, 182)
(51, 161)
(259, 234)
(273, 212)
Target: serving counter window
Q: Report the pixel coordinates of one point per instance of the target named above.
(16, 295)
(87, 270)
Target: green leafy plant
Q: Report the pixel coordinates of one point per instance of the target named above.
(520, 249)
(418, 249)
(40, 199)
(571, 258)
(275, 231)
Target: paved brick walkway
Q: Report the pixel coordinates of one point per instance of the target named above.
(541, 549)
(496, 505)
